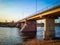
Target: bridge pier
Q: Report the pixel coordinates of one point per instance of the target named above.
(28, 29)
(49, 28)
(30, 26)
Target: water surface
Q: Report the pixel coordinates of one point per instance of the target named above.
(41, 29)
(11, 36)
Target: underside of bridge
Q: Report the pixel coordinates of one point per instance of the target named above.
(29, 24)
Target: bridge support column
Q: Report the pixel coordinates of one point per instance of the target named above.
(30, 26)
(29, 30)
(49, 28)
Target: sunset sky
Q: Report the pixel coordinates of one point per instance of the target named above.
(18, 9)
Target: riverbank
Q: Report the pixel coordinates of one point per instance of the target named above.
(40, 42)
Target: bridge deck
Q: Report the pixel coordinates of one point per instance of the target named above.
(52, 12)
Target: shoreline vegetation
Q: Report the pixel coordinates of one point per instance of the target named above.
(7, 24)
(12, 24)
(40, 42)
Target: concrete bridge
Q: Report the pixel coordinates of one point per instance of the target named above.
(29, 24)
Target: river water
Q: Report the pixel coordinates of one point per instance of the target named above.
(11, 36)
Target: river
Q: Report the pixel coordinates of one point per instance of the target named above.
(11, 36)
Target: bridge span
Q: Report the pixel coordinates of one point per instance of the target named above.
(29, 24)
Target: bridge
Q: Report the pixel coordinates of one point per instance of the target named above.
(29, 24)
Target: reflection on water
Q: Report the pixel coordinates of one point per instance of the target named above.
(38, 34)
(10, 36)
(57, 31)
(41, 29)
(28, 35)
